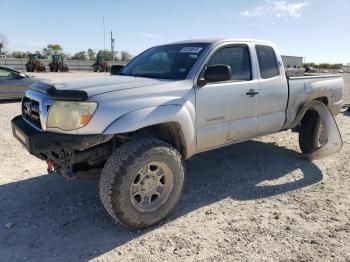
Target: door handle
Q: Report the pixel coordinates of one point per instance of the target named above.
(252, 92)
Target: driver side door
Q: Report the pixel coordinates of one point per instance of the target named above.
(227, 112)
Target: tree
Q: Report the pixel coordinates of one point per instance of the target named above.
(325, 66)
(125, 56)
(91, 54)
(106, 54)
(337, 66)
(19, 54)
(67, 55)
(52, 49)
(3, 42)
(80, 56)
(309, 65)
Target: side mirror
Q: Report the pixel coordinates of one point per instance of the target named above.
(216, 73)
(21, 75)
(115, 69)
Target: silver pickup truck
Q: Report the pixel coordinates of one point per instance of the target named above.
(136, 128)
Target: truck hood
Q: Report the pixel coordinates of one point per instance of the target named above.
(100, 85)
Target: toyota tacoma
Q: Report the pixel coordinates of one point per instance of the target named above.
(135, 128)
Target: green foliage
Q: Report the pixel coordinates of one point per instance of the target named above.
(80, 56)
(3, 42)
(19, 54)
(323, 66)
(125, 56)
(91, 54)
(309, 65)
(51, 49)
(106, 54)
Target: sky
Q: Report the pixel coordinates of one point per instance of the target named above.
(318, 30)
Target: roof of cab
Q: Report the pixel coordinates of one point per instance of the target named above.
(9, 68)
(219, 41)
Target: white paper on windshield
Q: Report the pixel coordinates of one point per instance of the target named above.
(191, 50)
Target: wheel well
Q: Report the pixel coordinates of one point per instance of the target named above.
(311, 114)
(322, 99)
(168, 132)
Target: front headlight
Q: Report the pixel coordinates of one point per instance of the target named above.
(69, 116)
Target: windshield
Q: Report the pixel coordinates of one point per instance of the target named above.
(165, 62)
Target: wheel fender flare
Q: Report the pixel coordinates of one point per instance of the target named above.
(335, 142)
(150, 116)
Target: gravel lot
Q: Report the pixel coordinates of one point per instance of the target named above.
(254, 201)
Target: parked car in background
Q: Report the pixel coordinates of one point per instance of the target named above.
(14, 83)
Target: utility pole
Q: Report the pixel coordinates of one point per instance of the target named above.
(104, 34)
(112, 46)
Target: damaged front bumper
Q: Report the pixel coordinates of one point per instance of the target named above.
(68, 154)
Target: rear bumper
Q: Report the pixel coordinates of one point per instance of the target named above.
(37, 142)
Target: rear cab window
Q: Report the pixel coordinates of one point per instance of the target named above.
(268, 64)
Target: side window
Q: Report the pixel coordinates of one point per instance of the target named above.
(4, 73)
(237, 57)
(267, 61)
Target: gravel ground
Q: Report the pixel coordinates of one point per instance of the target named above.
(254, 201)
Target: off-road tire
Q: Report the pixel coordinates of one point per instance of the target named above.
(308, 132)
(119, 171)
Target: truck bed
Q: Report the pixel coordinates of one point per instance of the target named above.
(346, 90)
(346, 93)
(304, 88)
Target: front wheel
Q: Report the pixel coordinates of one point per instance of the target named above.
(141, 182)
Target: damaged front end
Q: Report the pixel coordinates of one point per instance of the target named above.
(68, 155)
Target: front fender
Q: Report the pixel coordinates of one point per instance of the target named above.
(157, 115)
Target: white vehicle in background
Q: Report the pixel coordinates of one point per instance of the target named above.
(171, 102)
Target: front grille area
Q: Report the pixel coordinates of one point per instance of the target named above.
(30, 111)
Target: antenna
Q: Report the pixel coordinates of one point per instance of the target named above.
(112, 46)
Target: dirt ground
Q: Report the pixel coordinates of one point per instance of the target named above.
(254, 201)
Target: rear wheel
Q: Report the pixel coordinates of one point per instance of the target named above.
(141, 182)
(312, 132)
